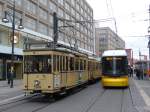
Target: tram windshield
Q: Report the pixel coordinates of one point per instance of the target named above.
(114, 66)
(37, 64)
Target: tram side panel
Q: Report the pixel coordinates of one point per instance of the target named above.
(77, 74)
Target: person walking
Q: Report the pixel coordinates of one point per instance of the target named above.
(138, 74)
(8, 75)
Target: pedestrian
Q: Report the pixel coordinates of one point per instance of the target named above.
(138, 74)
(132, 71)
(8, 75)
(129, 71)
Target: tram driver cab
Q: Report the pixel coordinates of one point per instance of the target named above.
(114, 68)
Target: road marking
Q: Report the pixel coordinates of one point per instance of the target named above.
(10, 99)
(143, 94)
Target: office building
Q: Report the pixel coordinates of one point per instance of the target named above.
(106, 39)
(37, 18)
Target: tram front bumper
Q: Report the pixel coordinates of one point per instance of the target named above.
(115, 81)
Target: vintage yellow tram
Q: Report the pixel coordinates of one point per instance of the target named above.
(49, 71)
(114, 68)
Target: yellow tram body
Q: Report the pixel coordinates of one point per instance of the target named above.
(115, 81)
(94, 69)
(66, 70)
(115, 69)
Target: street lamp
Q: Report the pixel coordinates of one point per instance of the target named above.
(5, 20)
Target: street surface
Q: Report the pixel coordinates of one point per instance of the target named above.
(91, 99)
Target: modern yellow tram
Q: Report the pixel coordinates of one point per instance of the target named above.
(49, 71)
(115, 69)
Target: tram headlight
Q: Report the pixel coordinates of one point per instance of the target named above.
(36, 82)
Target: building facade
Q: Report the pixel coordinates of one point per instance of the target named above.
(130, 56)
(106, 39)
(37, 18)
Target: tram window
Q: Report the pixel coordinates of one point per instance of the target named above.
(50, 64)
(84, 64)
(71, 63)
(61, 65)
(67, 62)
(97, 66)
(93, 65)
(77, 64)
(37, 64)
(121, 66)
(116, 66)
(54, 63)
(64, 63)
(58, 63)
(81, 65)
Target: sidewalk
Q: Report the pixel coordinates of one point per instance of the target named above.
(8, 94)
(143, 87)
(5, 84)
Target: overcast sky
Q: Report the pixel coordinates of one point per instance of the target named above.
(131, 18)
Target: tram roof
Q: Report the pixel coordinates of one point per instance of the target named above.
(114, 53)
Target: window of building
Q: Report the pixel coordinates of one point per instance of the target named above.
(42, 28)
(78, 7)
(52, 7)
(67, 16)
(44, 2)
(77, 16)
(82, 12)
(73, 2)
(50, 32)
(60, 13)
(42, 14)
(30, 7)
(51, 20)
(18, 2)
(73, 12)
(67, 6)
(61, 36)
(30, 23)
(61, 2)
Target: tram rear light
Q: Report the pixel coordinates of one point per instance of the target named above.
(49, 86)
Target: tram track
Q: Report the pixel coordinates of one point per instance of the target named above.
(92, 102)
(122, 101)
(16, 102)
